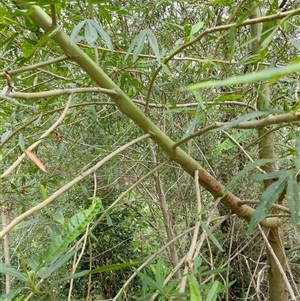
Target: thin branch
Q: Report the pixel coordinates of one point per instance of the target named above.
(282, 272)
(122, 195)
(254, 124)
(207, 31)
(148, 261)
(35, 66)
(53, 15)
(242, 149)
(44, 94)
(66, 187)
(255, 202)
(34, 145)
(190, 254)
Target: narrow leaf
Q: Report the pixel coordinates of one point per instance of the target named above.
(45, 272)
(248, 167)
(213, 292)
(268, 176)
(13, 295)
(199, 99)
(153, 43)
(241, 119)
(151, 282)
(293, 198)
(75, 31)
(232, 43)
(90, 33)
(194, 289)
(74, 228)
(268, 198)
(138, 42)
(191, 127)
(159, 273)
(103, 34)
(106, 268)
(265, 74)
(210, 235)
(297, 157)
(21, 142)
(35, 160)
(5, 269)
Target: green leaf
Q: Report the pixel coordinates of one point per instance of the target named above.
(297, 157)
(159, 273)
(167, 69)
(268, 198)
(58, 216)
(293, 198)
(197, 263)
(210, 235)
(197, 95)
(263, 75)
(106, 268)
(5, 269)
(105, 37)
(151, 282)
(229, 144)
(194, 289)
(46, 271)
(153, 43)
(268, 39)
(241, 119)
(268, 176)
(214, 291)
(213, 272)
(74, 228)
(195, 28)
(109, 220)
(13, 295)
(137, 44)
(248, 167)
(231, 44)
(75, 31)
(191, 127)
(21, 142)
(90, 33)
(43, 191)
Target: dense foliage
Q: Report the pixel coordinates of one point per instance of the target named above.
(153, 139)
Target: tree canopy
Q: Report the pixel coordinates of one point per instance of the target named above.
(149, 150)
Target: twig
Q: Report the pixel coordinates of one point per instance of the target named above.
(34, 145)
(66, 187)
(287, 283)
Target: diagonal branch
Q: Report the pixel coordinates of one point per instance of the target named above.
(127, 107)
